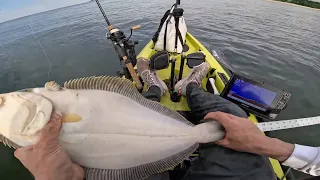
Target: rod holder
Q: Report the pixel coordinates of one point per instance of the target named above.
(183, 58)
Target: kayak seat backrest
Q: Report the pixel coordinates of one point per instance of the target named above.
(160, 60)
(195, 59)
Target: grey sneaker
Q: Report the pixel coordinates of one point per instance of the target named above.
(195, 76)
(150, 77)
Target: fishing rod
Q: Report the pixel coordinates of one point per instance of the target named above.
(125, 49)
(103, 13)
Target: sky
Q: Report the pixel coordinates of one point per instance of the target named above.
(12, 9)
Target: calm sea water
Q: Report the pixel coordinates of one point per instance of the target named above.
(269, 41)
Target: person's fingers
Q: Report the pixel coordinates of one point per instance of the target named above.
(231, 116)
(52, 129)
(220, 117)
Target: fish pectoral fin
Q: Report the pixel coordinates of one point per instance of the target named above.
(52, 86)
(8, 143)
(71, 118)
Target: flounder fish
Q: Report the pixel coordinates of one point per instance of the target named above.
(109, 127)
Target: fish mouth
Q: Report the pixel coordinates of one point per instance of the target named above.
(32, 108)
(39, 111)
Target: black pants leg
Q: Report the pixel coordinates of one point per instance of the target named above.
(217, 162)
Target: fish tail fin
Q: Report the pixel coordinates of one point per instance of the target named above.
(209, 132)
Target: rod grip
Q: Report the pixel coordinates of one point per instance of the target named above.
(133, 74)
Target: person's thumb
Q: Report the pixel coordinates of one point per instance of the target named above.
(78, 172)
(220, 117)
(52, 129)
(23, 153)
(223, 142)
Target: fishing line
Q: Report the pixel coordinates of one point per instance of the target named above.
(44, 52)
(285, 174)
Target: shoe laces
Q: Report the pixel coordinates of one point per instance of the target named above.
(196, 76)
(149, 78)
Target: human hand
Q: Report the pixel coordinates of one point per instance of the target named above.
(46, 160)
(243, 135)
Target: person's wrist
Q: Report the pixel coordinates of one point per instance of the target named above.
(275, 149)
(260, 144)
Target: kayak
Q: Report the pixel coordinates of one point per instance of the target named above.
(174, 42)
(217, 71)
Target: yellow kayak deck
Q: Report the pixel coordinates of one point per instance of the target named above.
(195, 46)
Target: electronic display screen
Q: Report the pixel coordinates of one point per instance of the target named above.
(251, 95)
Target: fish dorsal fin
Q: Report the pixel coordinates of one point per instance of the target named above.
(8, 143)
(142, 171)
(125, 88)
(52, 86)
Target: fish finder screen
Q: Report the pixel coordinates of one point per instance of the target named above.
(251, 95)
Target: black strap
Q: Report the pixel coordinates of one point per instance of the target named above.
(165, 32)
(163, 19)
(180, 37)
(165, 37)
(177, 29)
(178, 34)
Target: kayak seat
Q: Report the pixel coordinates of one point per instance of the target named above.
(195, 59)
(160, 60)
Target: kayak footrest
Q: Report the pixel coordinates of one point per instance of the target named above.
(195, 59)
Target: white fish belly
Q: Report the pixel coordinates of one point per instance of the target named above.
(124, 151)
(115, 132)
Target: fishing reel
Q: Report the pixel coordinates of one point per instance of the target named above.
(124, 47)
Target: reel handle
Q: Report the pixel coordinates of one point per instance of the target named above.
(136, 27)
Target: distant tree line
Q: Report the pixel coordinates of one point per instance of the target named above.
(303, 3)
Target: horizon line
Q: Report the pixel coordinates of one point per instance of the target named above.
(43, 12)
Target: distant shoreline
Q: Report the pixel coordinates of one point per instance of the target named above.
(294, 4)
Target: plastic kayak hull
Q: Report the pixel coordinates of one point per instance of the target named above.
(195, 46)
